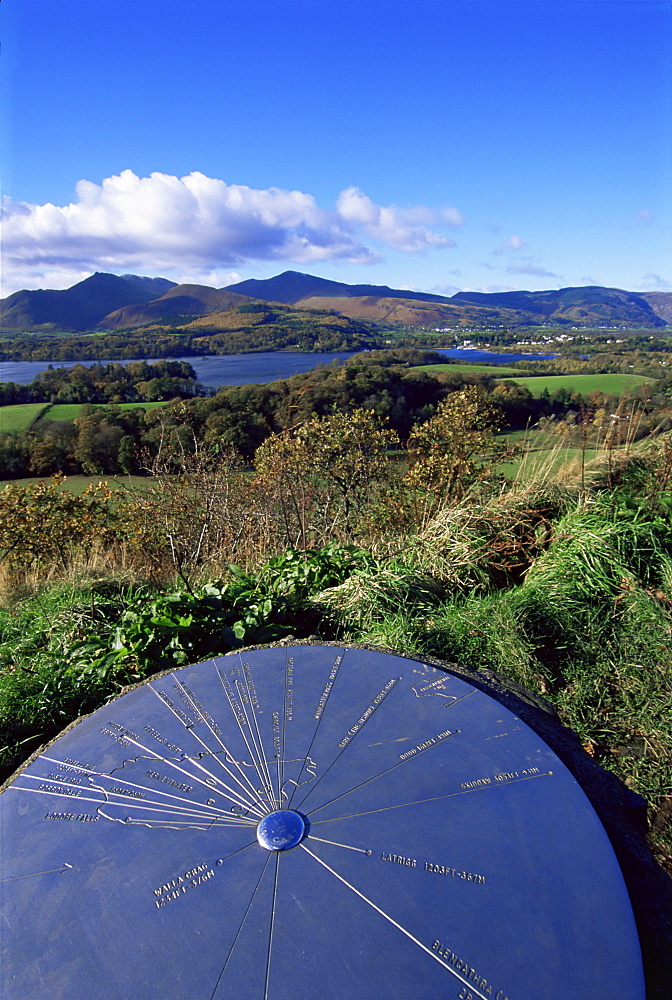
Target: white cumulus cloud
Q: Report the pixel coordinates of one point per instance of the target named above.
(399, 228)
(199, 225)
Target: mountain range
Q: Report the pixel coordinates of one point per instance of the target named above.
(108, 301)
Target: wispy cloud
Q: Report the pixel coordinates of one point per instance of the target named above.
(491, 288)
(444, 288)
(655, 283)
(513, 243)
(532, 268)
(201, 225)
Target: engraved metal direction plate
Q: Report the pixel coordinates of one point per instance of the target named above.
(308, 821)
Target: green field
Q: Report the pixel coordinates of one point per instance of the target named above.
(69, 411)
(20, 416)
(78, 484)
(545, 462)
(614, 385)
(484, 369)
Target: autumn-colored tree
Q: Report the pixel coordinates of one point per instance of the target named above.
(41, 524)
(451, 450)
(325, 474)
(195, 511)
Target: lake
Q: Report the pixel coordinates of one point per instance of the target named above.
(241, 369)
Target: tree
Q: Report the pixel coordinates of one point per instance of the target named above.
(338, 462)
(451, 450)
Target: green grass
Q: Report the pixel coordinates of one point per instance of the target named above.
(613, 385)
(543, 454)
(69, 411)
(63, 411)
(484, 369)
(588, 626)
(78, 484)
(545, 461)
(20, 416)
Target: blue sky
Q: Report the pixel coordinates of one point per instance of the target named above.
(445, 145)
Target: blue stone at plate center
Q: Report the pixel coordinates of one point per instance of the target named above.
(281, 830)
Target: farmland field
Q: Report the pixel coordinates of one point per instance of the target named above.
(614, 385)
(484, 369)
(19, 416)
(68, 411)
(78, 484)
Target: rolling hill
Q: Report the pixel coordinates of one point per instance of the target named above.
(661, 303)
(589, 305)
(584, 306)
(291, 287)
(181, 300)
(107, 301)
(392, 311)
(80, 307)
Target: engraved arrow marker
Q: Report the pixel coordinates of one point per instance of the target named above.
(61, 871)
(335, 843)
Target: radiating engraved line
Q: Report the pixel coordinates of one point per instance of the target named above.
(106, 794)
(461, 698)
(428, 951)
(255, 753)
(360, 850)
(281, 761)
(338, 663)
(208, 820)
(234, 796)
(253, 757)
(380, 775)
(242, 733)
(235, 940)
(172, 763)
(167, 824)
(251, 694)
(240, 800)
(196, 808)
(251, 697)
(148, 806)
(50, 871)
(270, 935)
(498, 736)
(220, 861)
(195, 820)
(56, 784)
(158, 807)
(375, 708)
(155, 755)
(230, 756)
(133, 784)
(69, 798)
(434, 798)
(78, 767)
(438, 693)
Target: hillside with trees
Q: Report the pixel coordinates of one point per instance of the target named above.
(105, 301)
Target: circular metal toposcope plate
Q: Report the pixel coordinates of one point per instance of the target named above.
(308, 821)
